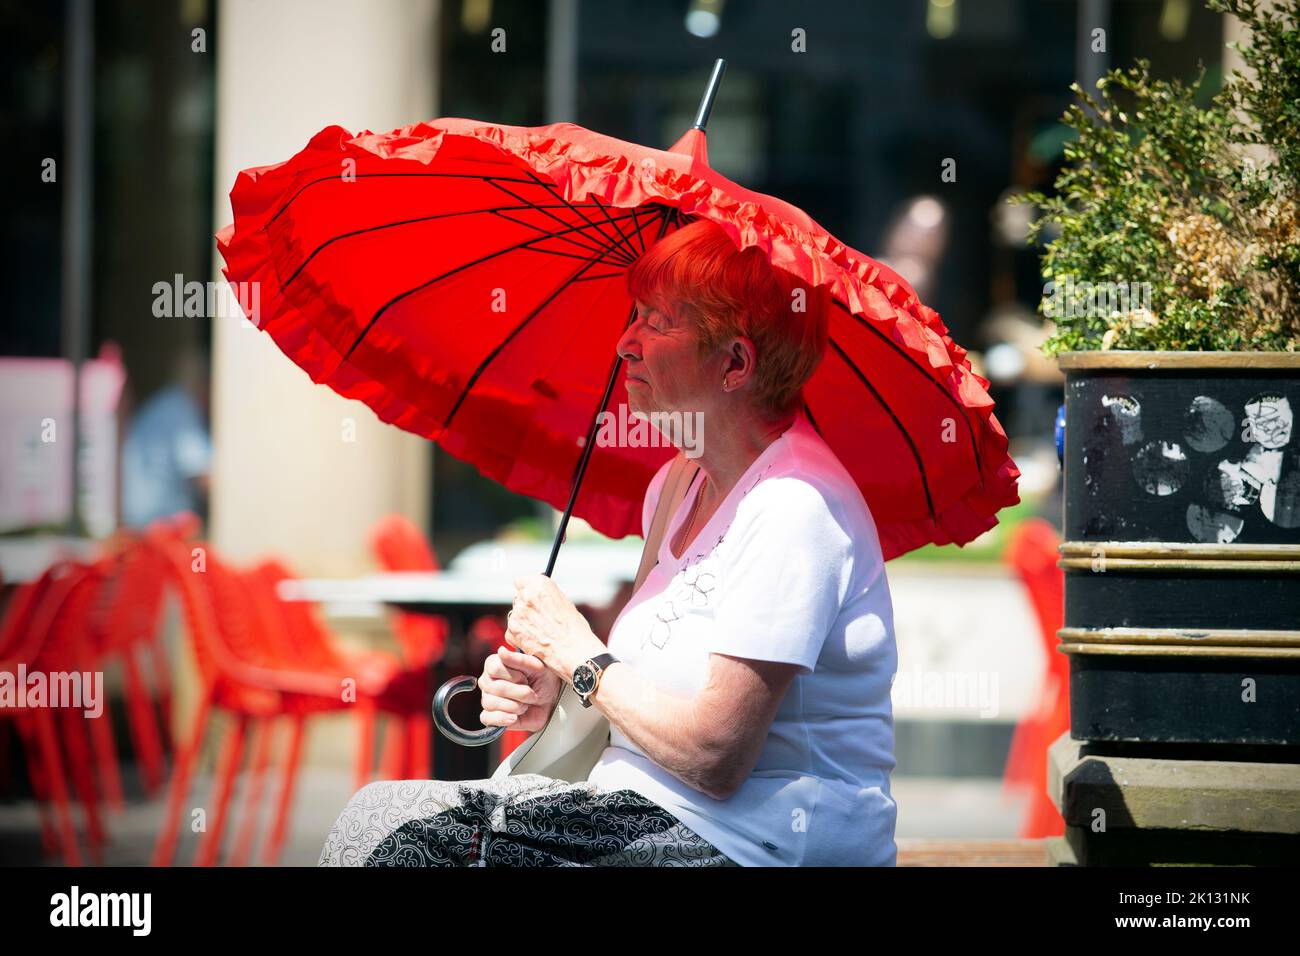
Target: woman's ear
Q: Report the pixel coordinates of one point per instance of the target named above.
(742, 359)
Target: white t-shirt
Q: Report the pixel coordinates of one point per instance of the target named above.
(789, 568)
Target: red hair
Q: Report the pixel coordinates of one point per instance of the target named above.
(697, 273)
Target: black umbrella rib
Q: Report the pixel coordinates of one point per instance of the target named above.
(661, 215)
(862, 320)
(920, 465)
(392, 225)
(637, 227)
(603, 275)
(574, 255)
(438, 278)
(569, 239)
(610, 240)
(483, 365)
(620, 263)
(807, 409)
(337, 177)
(545, 209)
(636, 231)
(631, 253)
(577, 207)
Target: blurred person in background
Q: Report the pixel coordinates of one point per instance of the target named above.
(1030, 387)
(167, 453)
(915, 242)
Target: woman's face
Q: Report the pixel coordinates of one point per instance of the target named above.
(664, 369)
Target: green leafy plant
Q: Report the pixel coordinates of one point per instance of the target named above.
(1174, 226)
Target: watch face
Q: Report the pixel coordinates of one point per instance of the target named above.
(584, 679)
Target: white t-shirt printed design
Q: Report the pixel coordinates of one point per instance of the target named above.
(697, 580)
(789, 568)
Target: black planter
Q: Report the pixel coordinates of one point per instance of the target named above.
(1182, 550)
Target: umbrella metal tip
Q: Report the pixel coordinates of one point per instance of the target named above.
(706, 103)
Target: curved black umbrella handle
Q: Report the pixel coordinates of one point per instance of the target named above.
(448, 727)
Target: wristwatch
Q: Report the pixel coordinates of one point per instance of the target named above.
(586, 676)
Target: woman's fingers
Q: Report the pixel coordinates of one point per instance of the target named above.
(495, 668)
(521, 668)
(497, 712)
(496, 718)
(509, 698)
(505, 705)
(514, 683)
(523, 662)
(516, 691)
(534, 719)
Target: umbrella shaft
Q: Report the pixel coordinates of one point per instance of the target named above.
(587, 448)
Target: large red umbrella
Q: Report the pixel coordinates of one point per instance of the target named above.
(467, 281)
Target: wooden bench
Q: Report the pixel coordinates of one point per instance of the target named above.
(918, 852)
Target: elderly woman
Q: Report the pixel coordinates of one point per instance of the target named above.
(747, 681)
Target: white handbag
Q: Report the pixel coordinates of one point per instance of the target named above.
(574, 737)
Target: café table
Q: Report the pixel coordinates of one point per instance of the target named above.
(461, 596)
(25, 557)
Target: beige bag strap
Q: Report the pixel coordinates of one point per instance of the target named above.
(574, 738)
(670, 497)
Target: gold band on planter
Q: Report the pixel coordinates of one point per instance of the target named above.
(1169, 556)
(1193, 551)
(1159, 564)
(1181, 650)
(1120, 358)
(1151, 638)
(1180, 642)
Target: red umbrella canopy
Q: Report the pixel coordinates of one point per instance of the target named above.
(467, 282)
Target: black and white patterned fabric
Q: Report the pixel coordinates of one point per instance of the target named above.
(523, 820)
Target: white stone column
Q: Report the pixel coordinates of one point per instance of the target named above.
(1234, 31)
(285, 482)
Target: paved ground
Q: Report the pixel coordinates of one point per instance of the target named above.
(929, 808)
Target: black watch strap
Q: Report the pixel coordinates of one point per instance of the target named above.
(601, 661)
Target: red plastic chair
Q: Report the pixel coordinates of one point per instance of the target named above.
(70, 648)
(126, 629)
(131, 634)
(263, 661)
(399, 545)
(303, 642)
(240, 676)
(404, 689)
(1033, 551)
(22, 634)
(83, 618)
(40, 632)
